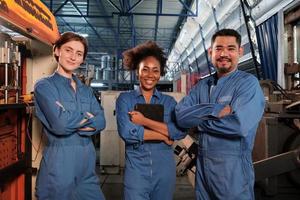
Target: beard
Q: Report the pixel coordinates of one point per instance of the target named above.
(223, 70)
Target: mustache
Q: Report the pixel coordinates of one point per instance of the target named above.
(224, 58)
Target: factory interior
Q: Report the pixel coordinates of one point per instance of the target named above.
(270, 32)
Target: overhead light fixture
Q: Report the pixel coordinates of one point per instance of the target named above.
(84, 34)
(97, 84)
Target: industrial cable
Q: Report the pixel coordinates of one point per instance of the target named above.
(106, 177)
(281, 90)
(37, 149)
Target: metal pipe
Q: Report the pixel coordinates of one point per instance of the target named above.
(6, 73)
(205, 50)
(196, 60)
(17, 64)
(249, 38)
(134, 6)
(215, 18)
(161, 14)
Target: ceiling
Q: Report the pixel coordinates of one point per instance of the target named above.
(111, 26)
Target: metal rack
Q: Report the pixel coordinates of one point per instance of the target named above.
(10, 62)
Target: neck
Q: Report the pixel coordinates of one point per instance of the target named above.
(147, 94)
(220, 75)
(63, 72)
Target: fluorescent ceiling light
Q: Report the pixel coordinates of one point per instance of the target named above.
(84, 34)
(95, 84)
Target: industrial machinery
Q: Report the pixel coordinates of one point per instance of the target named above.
(276, 153)
(15, 154)
(23, 26)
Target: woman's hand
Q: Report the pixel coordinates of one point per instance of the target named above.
(86, 128)
(137, 117)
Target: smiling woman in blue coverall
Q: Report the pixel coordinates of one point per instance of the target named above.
(70, 114)
(150, 171)
(226, 107)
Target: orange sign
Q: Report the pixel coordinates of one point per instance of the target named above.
(32, 17)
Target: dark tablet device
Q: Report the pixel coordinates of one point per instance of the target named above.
(151, 111)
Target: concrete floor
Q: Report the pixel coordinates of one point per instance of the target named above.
(112, 187)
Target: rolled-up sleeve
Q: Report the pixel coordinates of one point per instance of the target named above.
(97, 122)
(175, 133)
(190, 113)
(129, 132)
(52, 113)
(248, 107)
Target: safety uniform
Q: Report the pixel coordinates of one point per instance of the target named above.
(67, 169)
(150, 171)
(224, 163)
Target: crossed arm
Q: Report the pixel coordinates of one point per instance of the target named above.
(134, 128)
(61, 121)
(227, 120)
(154, 130)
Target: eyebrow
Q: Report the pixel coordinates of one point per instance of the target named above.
(145, 66)
(231, 45)
(68, 47)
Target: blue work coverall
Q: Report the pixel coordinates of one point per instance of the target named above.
(67, 169)
(150, 171)
(224, 162)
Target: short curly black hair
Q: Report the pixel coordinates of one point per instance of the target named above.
(132, 57)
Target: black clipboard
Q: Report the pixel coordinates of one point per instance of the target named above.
(151, 111)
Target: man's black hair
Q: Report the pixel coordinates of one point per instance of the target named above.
(227, 32)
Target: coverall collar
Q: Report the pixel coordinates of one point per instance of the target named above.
(223, 78)
(138, 92)
(65, 80)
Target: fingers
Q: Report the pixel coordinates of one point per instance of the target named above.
(225, 111)
(60, 105)
(82, 121)
(87, 129)
(133, 113)
(169, 142)
(90, 115)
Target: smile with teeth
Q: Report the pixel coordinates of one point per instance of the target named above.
(149, 82)
(224, 60)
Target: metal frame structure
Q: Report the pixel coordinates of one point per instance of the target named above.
(116, 25)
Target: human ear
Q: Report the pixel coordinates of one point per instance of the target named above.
(241, 51)
(57, 52)
(137, 74)
(209, 51)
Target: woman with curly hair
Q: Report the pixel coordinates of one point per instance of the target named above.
(150, 171)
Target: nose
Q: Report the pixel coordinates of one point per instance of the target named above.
(151, 74)
(224, 52)
(73, 56)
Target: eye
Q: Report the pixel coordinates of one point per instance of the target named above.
(79, 54)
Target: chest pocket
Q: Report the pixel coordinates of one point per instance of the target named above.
(225, 100)
(85, 104)
(69, 104)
